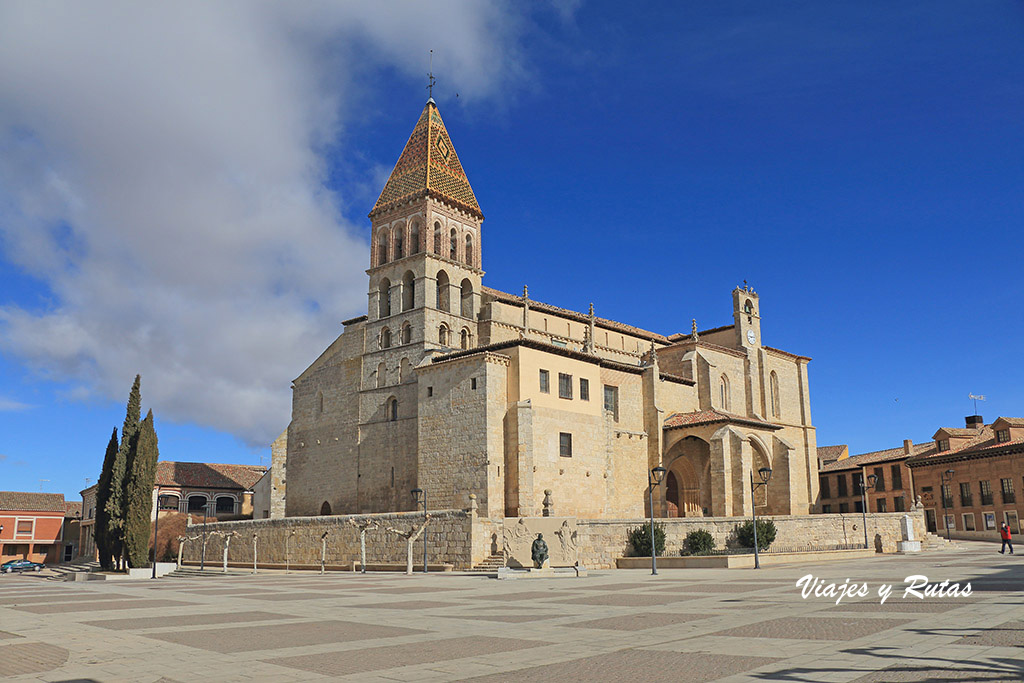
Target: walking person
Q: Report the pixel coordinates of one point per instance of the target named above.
(1004, 533)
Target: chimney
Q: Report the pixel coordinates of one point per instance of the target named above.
(908, 447)
(974, 421)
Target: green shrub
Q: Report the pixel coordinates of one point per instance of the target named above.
(640, 539)
(765, 533)
(699, 542)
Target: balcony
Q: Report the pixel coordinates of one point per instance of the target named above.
(966, 501)
(1009, 497)
(986, 499)
(947, 502)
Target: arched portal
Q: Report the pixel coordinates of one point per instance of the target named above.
(688, 487)
(325, 509)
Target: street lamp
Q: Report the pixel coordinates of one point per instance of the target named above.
(766, 474)
(947, 476)
(872, 479)
(420, 496)
(654, 478)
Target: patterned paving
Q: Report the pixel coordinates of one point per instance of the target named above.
(681, 625)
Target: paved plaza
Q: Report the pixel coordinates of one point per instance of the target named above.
(626, 625)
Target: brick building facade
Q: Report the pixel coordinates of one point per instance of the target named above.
(456, 388)
(32, 526)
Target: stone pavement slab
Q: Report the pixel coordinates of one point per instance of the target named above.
(276, 636)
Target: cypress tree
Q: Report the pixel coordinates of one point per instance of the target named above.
(139, 494)
(102, 496)
(115, 506)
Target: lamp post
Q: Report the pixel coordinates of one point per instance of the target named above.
(766, 474)
(872, 479)
(654, 478)
(420, 496)
(156, 530)
(947, 477)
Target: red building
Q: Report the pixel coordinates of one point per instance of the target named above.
(32, 526)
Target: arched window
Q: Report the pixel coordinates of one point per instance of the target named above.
(325, 509)
(437, 238)
(196, 503)
(391, 408)
(469, 250)
(723, 392)
(443, 291)
(414, 238)
(773, 390)
(408, 291)
(385, 338)
(382, 375)
(442, 335)
(406, 333)
(382, 248)
(404, 370)
(225, 505)
(384, 298)
(453, 252)
(467, 298)
(399, 241)
(464, 338)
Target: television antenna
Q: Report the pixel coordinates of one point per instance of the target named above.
(41, 481)
(979, 397)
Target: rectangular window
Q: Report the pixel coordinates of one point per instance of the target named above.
(858, 480)
(986, 492)
(966, 499)
(545, 382)
(1007, 486)
(968, 521)
(942, 444)
(825, 492)
(1012, 521)
(951, 522)
(564, 385)
(584, 389)
(947, 496)
(565, 445)
(472, 382)
(897, 477)
(858, 506)
(1002, 435)
(430, 391)
(24, 527)
(611, 400)
(844, 507)
(990, 521)
(879, 479)
(898, 504)
(841, 486)
(880, 505)
(826, 509)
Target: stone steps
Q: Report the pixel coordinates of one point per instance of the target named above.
(491, 564)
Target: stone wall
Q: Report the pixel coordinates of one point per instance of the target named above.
(602, 541)
(449, 537)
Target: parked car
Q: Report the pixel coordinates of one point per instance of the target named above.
(21, 566)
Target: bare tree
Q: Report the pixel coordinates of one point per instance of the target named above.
(363, 525)
(410, 537)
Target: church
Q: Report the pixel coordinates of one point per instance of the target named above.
(454, 388)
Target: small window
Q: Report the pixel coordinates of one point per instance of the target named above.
(942, 444)
(545, 382)
(584, 389)
(950, 522)
(826, 492)
(879, 480)
(899, 504)
(844, 507)
(897, 477)
(564, 385)
(990, 521)
(472, 382)
(966, 498)
(986, 492)
(24, 527)
(1007, 487)
(1002, 435)
(430, 391)
(858, 506)
(826, 509)
(385, 338)
(880, 505)
(392, 409)
(565, 445)
(611, 401)
(841, 490)
(406, 333)
(968, 521)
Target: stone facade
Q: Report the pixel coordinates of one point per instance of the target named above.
(456, 389)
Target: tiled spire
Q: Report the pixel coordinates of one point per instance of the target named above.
(430, 167)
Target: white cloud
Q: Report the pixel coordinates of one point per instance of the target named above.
(161, 172)
(10, 405)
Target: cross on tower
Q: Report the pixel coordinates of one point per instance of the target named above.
(430, 76)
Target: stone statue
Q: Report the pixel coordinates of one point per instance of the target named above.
(539, 552)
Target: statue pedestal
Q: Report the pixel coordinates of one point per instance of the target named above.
(908, 547)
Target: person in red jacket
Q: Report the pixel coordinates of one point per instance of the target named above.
(1004, 533)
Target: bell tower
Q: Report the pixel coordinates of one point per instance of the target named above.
(746, 313)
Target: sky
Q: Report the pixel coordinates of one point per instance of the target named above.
(184, 189)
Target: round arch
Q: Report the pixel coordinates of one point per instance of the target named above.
(688, 482)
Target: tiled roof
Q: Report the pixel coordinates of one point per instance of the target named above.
(1012, 421)
(830, 453)
(208, 475)
(507, 298)
(962, 432)
(983, 443)
(857, 461)
(72, 508)
(34, 502)
(428, 166)
(703, 417)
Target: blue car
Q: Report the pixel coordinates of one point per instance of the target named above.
(21, 566)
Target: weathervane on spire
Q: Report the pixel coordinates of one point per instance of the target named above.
(430, 75)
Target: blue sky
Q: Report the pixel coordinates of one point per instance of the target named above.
(202, 220)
